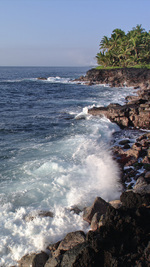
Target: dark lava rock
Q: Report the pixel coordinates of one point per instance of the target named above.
(99, 205)
(130, 199)
(34, 260)
(119, 77)
(71, 240)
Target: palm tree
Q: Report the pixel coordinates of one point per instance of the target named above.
(105, 44)
(125, 49)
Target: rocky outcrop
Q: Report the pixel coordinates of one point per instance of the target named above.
(42, 78)
(34, 260)
(123, 239)
(134, 161)
(99, 206)
(136, 113)
(118, 77)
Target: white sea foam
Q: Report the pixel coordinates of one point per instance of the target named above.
(58, 79)
(73, 172)
(83, 115)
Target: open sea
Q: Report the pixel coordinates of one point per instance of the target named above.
(53, 155)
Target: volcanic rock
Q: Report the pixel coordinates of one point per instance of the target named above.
(99, 206)
(34, 260)
(71, 240)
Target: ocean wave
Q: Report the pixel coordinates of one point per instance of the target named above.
(57, 79)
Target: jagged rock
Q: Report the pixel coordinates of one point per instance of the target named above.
(95, 221)
(53, 262)
(141, 187)
(132, 153)
(31, 216)
(53, 247)
(119, 77)
(76, 210)
(147, 176)
(42, 78)
(124, 142)
(116, 203)
(131, 114)
(81, 255)
(123, 240)
(71, 240)
(99, 206)
(130, 199)
(34, 260)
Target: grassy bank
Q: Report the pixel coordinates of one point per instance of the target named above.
(117, 67)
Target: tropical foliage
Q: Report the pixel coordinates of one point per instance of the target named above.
(125, 50)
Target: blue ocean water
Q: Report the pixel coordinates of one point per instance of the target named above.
(53, 155)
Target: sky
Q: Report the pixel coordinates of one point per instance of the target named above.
(63, 32)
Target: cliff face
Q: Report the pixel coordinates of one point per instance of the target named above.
(119, 77)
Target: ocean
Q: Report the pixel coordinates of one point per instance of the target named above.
(53, 155)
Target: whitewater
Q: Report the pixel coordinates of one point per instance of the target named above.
(53, 155)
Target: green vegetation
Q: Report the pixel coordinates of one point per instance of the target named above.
(147, 66)
(125, 50)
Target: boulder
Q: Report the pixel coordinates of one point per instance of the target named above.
(76, 210)
(71, 240)
(141, 187)
(116, 203)
(31, 216)
(130, 199)
(81, 255)
(53, 262)
(95, 221)
(42, 78)
(124, 142)
(33, 260)
(99, 205)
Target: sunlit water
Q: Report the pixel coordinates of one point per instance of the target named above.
(53, 155)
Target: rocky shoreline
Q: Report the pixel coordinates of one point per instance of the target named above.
(120, 230)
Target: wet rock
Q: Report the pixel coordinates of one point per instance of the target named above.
(42, 78)
(147, 176)
(99, 206)
(53, 262)
(115, 203)
(141, 187)
(127, 146)
(131, 114)
(76, 210)
(33, 260)
(124, 142)
(53, 247)
(95, 221)
(81, 255)
(119, 77)
(131, 200)
(132, 153)
(31, 216)
(71, 240)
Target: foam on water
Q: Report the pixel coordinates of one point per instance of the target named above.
(58, 79)
(76, 170)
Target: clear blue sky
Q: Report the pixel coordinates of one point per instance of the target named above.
(63, 32)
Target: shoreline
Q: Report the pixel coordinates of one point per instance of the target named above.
(120, 233)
